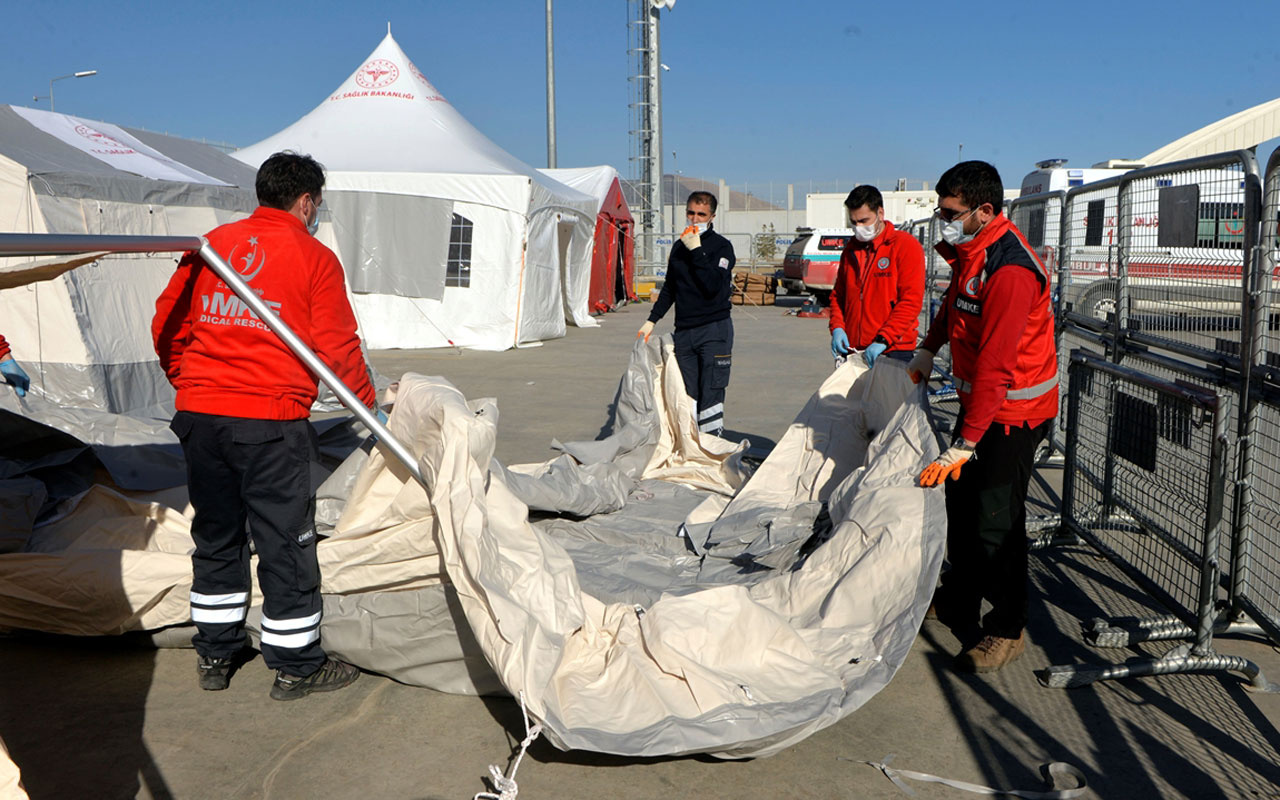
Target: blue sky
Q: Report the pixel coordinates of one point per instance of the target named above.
(807, 90)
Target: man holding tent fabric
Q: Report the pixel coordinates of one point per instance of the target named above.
(998, 318)
(243, 401)
(699, 283)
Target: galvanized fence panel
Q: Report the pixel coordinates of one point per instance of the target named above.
(1088, 274)
(1185, 232)
(1255, 578)
(1039, 217)
(1146, 471)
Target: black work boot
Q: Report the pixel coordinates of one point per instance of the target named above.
(215, 673)
(332, 675)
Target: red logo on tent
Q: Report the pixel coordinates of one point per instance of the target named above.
(103, 141)
(376, 73)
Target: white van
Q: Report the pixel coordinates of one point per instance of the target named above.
(813, 260)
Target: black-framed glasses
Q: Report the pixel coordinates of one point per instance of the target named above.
(947, 215)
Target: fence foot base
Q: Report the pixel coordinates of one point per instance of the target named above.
(1050, 533)
(1178, 660)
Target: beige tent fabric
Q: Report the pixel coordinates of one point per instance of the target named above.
(10, 777)
(730, 665)
(21, 274)
(110, 564)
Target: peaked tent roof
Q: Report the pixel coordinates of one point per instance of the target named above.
(387, 117)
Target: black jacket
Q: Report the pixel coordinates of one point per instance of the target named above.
(699, 282)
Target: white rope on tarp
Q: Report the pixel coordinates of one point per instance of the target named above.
(1053, 772)
(506, 785)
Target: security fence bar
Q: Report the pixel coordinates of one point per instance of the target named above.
(1146, 469)
(35, 244)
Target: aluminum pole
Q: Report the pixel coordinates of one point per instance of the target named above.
(44, 244)
(551, 94)
(250, 298)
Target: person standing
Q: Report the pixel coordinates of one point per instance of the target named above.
(699, 283)
(13, 373)
(243, 402)
(998, 319)
(879, 289)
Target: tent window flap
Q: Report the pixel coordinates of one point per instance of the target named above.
(392, 243)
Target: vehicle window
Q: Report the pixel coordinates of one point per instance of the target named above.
(832, 242)
(797, 246)
(1094, 216)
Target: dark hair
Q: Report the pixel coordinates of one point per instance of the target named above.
(703, 197)
(974, 183)
(864, 195)
(286, 176)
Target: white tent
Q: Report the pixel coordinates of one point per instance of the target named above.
(84, 336)
(446, 238)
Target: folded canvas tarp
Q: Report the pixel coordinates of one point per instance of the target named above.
(685, 613)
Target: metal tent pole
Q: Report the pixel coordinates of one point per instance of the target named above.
(35, 244)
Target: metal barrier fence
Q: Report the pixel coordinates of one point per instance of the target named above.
(754, 251)
(1168, 278)
(1255, 575)
(1146, 470)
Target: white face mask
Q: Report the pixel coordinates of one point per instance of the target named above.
(701, 226)
(953, 232)
(865, 233)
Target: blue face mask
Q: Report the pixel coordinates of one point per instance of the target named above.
(314, 224)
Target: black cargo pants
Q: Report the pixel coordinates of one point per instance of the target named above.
(253, 471)
(705, 355)
(987, 530)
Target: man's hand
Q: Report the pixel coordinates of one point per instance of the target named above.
(947, 465)
(645, 330)
(873, 352)
(839, 343)
(15, 376)
(920, 366)
(691, 238)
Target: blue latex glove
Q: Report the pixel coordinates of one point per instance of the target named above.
(839, 343)
(16, 376)
(873, 352)
(380, 414)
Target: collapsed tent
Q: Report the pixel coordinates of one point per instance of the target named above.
(445, 237)
(77, 333)
(640, 597)
(612, 280)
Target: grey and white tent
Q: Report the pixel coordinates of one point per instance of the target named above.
(84, 336)
(446, 238)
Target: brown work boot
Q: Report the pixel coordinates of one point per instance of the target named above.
(990, 654)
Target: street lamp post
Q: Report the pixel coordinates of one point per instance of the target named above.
(82, 74)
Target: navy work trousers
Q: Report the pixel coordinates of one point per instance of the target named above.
(705, 355)
(254, 475)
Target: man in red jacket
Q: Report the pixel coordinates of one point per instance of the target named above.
(997, 317)
(243, 401)
(875, 305)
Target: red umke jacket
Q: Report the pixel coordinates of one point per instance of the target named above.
(879, 290)
(222, 359)
(998, 318)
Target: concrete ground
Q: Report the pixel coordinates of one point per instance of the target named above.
(113, 719)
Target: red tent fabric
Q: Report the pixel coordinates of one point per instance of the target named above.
(613, 264)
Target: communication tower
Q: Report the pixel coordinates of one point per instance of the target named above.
(645, 91)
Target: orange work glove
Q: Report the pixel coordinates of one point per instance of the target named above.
(644, 331)
(946, 466)
(691, 238)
